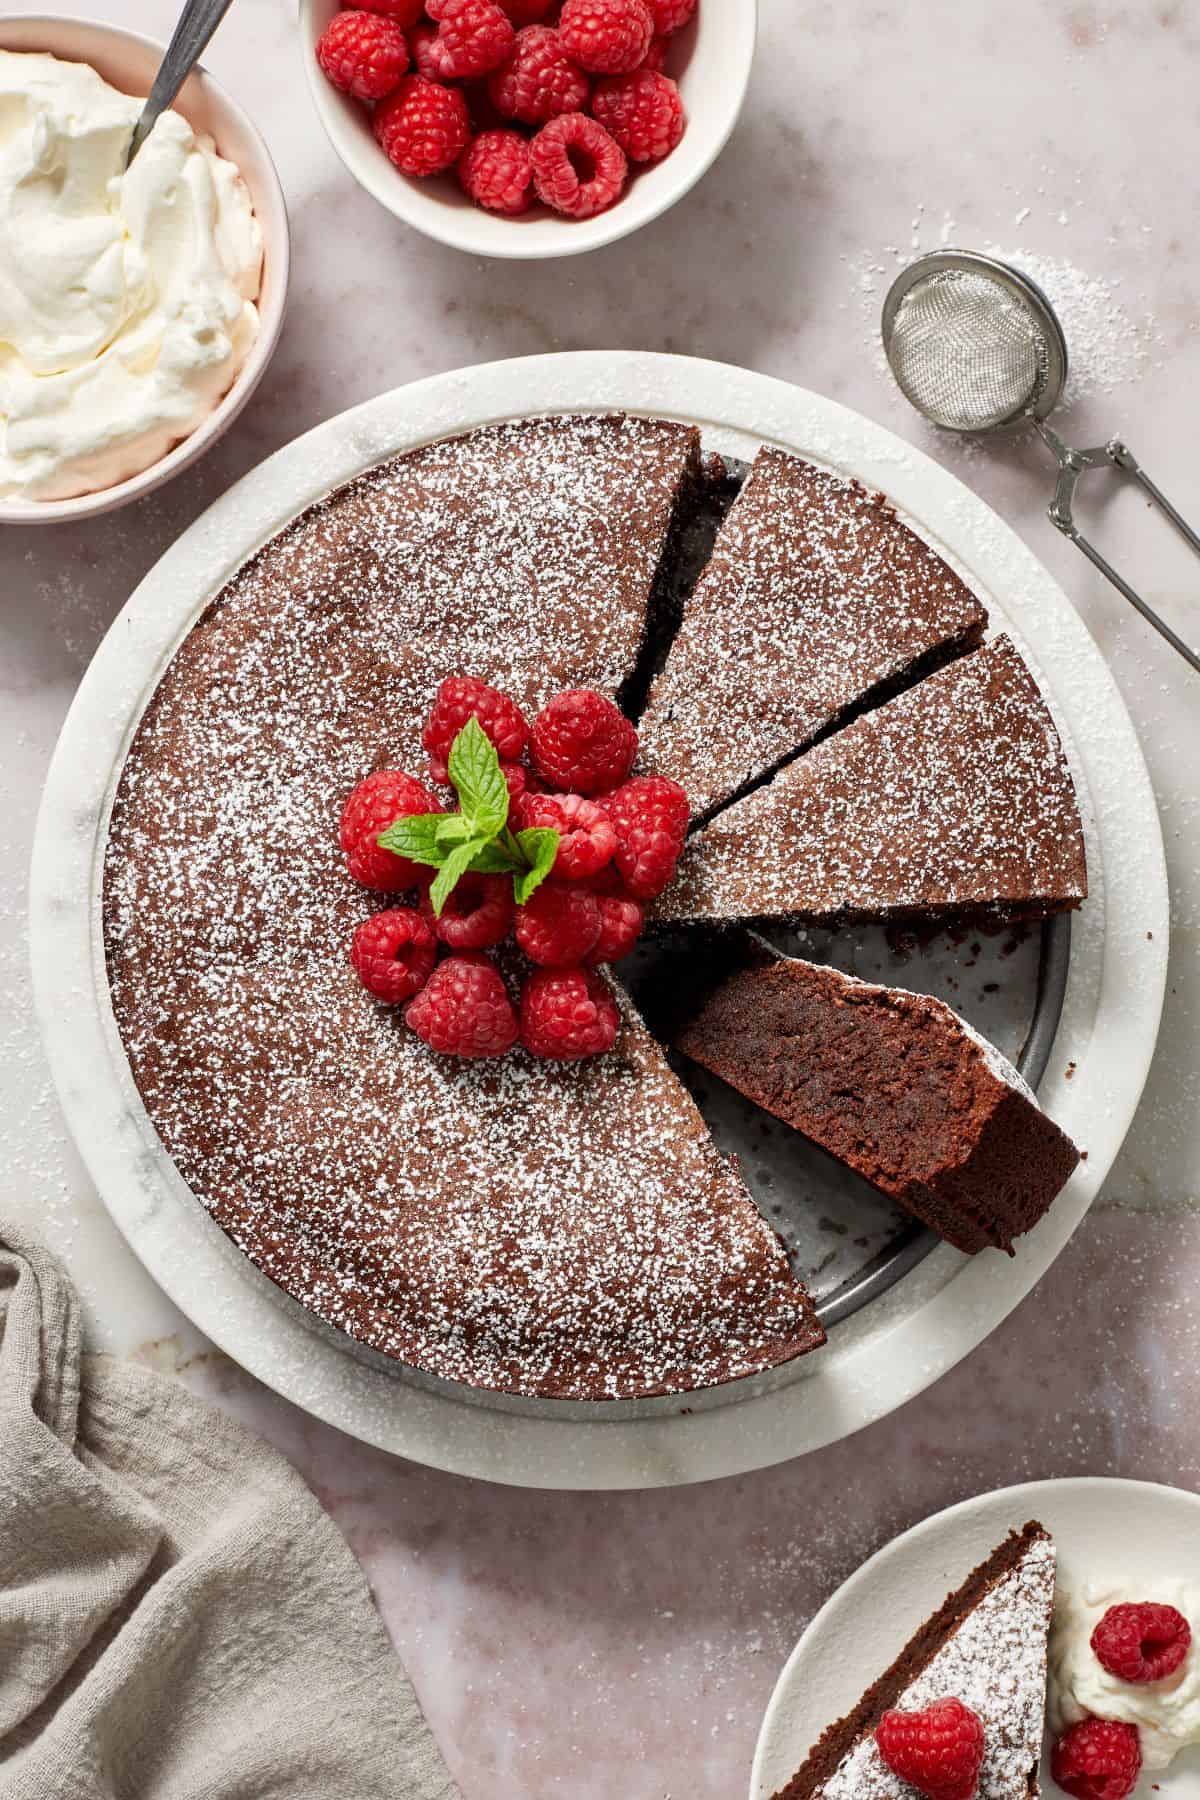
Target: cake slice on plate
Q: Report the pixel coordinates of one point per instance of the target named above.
(895, 1086)
(953, 802)
(984, 1646)
(817, 599)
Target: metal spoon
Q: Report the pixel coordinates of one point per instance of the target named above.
(197, 22)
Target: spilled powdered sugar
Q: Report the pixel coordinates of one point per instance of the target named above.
(1111, 338)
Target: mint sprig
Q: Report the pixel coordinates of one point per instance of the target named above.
(476, 839)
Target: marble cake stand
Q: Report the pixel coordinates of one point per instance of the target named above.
(891, 1349)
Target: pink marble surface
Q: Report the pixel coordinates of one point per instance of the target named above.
(567, 1644)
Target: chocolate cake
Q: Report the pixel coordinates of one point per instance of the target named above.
(543, 1229)
(538, 1228)
(817, 601)
(951, 802)
(986, 1646)
(895, 1086)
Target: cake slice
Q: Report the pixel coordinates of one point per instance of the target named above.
(953, 802)
(986, 1646)
(895, 1086)
(816, 601)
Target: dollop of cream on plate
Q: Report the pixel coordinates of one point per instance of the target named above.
(1166, 1713)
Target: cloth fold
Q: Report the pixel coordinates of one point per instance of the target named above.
(179, 1620)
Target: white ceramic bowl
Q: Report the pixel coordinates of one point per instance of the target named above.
(129, 62)
(711, 61)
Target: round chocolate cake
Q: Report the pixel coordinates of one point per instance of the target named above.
(543, 1229)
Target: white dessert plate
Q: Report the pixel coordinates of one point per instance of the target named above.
(892, 1348)
(1133, 1533)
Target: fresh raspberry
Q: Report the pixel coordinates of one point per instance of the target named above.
(1098, 1759)
(464, 1009)
(477, 915)
(606, 36)
(669, 15)
(577, 168)
(939, 1750)
(372, 807)
(406, 13)
(580, 742)
(460, 698)
(650, 814)
(393, 954)
(474, 37)
(559, 924)
(421, 40)
(621, 922)
(497, 172)
(538, 81)
(567, 1014)
(520, 783)
(1142, 1642)
(363, 54)
(423, 127)
(642, 111)
(608, 882)
(586, 838)
(526, 12)
(656, 55)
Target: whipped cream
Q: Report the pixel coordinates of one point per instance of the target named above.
(127, 298)
(1166, 1713)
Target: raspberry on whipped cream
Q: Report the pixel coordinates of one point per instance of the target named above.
(1166, 1713)
(127, 298)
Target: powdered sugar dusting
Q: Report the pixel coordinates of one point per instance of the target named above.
(996, 1664)
(537, 1228)
(815, 595)
(954, 795)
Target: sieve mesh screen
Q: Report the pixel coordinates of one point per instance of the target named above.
(966, 352)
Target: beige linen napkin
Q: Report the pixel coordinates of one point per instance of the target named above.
(179, 1620)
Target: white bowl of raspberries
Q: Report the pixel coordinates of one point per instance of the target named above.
(499, 910)
(528, 128)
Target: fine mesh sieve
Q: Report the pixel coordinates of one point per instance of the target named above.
(975, 346)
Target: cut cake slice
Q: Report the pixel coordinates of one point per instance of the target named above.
(952, 803)
(895, 1086)
(986, 1646)
(817, 600)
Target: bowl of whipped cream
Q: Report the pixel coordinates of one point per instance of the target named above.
(139, 307)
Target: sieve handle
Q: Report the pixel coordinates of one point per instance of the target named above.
(1072, 464)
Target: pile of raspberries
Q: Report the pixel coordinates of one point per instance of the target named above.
(619, 838)
(525, 98)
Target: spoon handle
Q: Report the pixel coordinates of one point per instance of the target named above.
(197, 22)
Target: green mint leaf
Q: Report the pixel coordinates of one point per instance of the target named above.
(496, 859)
(457, 862)
(476, 773)
(415, 836)
(539, 847)
(455, 828)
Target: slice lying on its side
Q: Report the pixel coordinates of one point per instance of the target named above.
(985, 1646)
(951, 803)
(895, 1086)
(817, 600)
